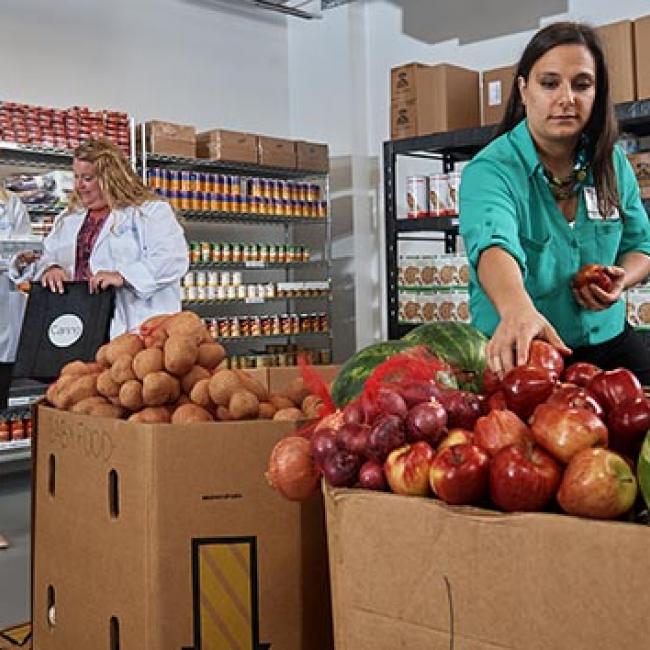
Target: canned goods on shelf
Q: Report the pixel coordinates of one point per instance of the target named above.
(416, 197)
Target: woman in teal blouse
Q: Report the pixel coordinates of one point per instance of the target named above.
(552, 193)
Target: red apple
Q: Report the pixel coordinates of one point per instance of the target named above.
(456, 437)
(426, 421)
(407, 469)
(543, 355)
(613, 387)
(597, 483)
(628, 424)
(459, 474)
(499, 429)
(564, 432)
(569, 396)
(525, 387)
(497, 401)
(491, 382)
(523, 478)
(580, 373)
(593, 274)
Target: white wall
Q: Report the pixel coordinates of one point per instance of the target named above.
(193, 61)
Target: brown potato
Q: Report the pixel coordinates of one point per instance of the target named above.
(151, 415)
(267, 411)
(126, 343)
(195, 374)
(296, 391)
(183, 399)
(106, 411)
(210, 355)
(106, 386)
(146, 361)
(189, 324)
(253, 385)
(55, 388)
(281, 401)
(153, 331)
(82, 387)
(159, 388)
(243, 405)
(222, 385)
(181, 353)
(100, 355)
(80, 368)
(311, 406)
(85, 405)
(292, 413)
(190, 413)
(223, 414)
(200, 394)
(122, 369)
(130, 395)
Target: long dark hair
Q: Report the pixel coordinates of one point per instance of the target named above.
(601, 129)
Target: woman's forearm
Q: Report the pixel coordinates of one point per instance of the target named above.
(637, 267)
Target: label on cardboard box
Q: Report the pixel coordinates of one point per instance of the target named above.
(494, 93)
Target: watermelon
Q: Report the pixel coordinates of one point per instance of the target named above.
(643, 470)
(461, 345)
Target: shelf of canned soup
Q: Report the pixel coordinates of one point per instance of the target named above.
(247, 253)
(435, 195)
(266, 325)
(274, 355)
(228, 285)
(209, 192)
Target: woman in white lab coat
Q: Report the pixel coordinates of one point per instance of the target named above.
(116, 233)
(14, 224)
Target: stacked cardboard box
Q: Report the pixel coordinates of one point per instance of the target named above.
(276, 152)
(161, 537)
(497, 84)
(618, 41)
(221, 144)
(170, 139)
(642, 56)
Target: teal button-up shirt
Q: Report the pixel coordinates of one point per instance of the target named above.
(505, 201)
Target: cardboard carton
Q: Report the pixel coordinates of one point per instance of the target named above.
(431, 99)
(410, 572)
(640, 162)
(642, 58)
(220, 144)
(618, 41)
(312, 156)
(497, 84)
(170, 139)
(167, 537)
(276, 152)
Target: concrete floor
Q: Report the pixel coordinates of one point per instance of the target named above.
(15, 515)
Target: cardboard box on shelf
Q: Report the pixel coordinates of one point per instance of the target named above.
(434, 576)
(161, 537)
(276, 152)
(497, 84)
(642, 56)
(431, 99)
(169, 138)
(312, 156)
(221, 144)
(618, 41)
(640, 162)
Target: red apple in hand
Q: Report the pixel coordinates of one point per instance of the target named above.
(593, 274)
(407, 469)
(459, 474)
(523, 478)
(575, 397)
(597, 483)
(565, 431)
(456, 437)
(543, 355)
(580, 373)
(613, 387)
(499, 429)
(525, 387)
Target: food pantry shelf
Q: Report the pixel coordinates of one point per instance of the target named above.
(251, 218)
(242, 339)
(16, 450)
(254, 265)
(12, 153)
(252, 301)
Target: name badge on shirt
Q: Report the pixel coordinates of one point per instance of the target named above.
(591, 202)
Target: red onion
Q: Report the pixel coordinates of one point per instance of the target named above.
(426, 421)
(371, 476)
(390, 401)
(420, 391)
(323, 444)
(463, 408)
(353, 438)
(341, 468)
(353, 413)
(386, 434)
(292, 471)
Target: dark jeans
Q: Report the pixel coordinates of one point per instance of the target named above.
(5, 382)
(627, 350)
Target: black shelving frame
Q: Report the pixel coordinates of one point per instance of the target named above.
(450, 148)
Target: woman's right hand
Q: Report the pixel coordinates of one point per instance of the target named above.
(510, 343)
(25, 258)
(54, 278)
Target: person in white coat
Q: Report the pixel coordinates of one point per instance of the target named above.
(116, 233)
(14, 225)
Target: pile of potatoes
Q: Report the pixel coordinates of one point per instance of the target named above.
(170, 373)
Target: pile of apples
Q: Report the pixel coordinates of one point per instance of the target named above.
(540, 435)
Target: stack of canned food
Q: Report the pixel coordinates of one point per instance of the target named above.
(15, 426)
(435, 195)
(204, 191)
(210, 252)
(278, 355)
(267, 325)
(227, 285)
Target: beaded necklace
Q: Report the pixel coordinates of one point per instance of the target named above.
(564, 188)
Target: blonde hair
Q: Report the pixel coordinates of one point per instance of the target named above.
(4, 193)
(119, 183)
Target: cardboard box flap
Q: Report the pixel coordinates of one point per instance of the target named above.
(438, 576)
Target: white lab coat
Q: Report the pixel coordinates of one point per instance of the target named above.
(14, 224)
(145, 244)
